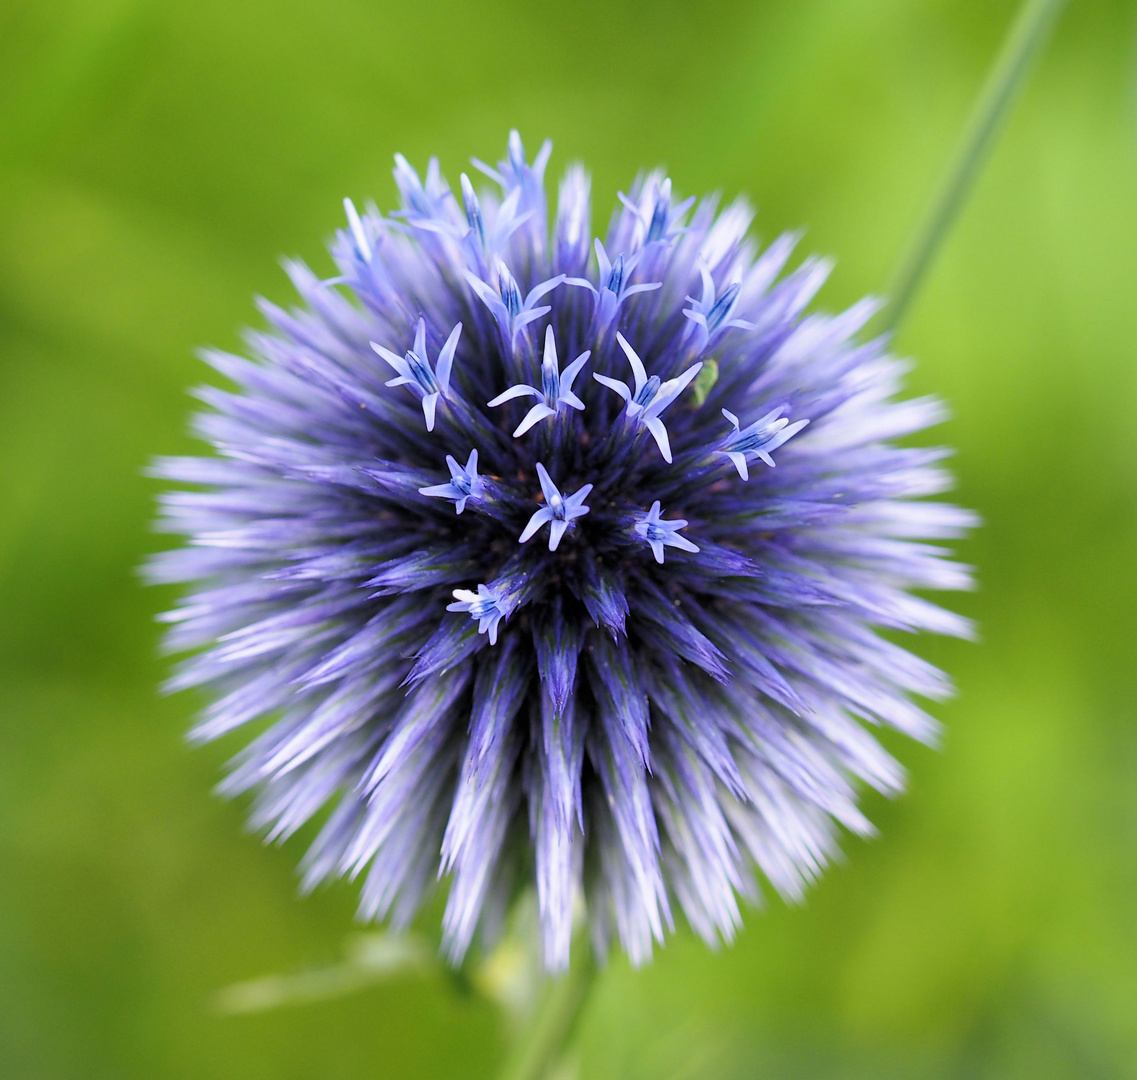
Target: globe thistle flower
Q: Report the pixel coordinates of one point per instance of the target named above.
(656, 703)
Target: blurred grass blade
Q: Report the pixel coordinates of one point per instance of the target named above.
(512, 975)
(705, 380)
(1024, 42)
(371, 958)
(543, 1048)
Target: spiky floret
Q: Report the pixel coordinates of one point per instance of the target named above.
(588, 713)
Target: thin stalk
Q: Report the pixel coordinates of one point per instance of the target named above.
(1024, 42)
(553, 1026)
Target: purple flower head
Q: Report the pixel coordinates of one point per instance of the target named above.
(652, 714)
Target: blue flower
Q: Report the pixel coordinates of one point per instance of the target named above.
(487, 607)
(358, 232)
(556, 387)
(451, 702)
(573, 230)
(559, 511)
(414, 369)
(464, 483)
(649, 397)
(710, 315)
(424, 204)
(516, 175)
(512, 313)
(657, 218)
(761, 438)
(614, 287)
(485, 243)
(660, 534)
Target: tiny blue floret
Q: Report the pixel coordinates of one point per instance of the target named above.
(655, 214)
(414, 369)
(761, 438)
(614, 287)
(512, 313)
(650, 396)
(484, 247)
(488, 606)
(464, 483)
(559, 511)
(556, 387)
(660, 534)
(709, 315)
(424, 204)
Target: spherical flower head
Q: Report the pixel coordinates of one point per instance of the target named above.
(628, 650)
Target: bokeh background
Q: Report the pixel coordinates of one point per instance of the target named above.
(157, 156)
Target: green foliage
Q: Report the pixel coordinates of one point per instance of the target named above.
(706, 378)
(155, 159)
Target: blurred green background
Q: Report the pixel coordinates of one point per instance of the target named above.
(155, 160)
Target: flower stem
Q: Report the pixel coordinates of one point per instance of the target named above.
(1023, 43)
(553, 1025)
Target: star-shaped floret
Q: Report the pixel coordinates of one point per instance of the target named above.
(427, 205)
(516, 174)
(489, 605)
(760, 438)
(556, 387)
(656, 214)
(414, 369)
(357, 231)
(650, 396)
(511, 313)
(558, 510)
(660, 534)
(614, 288)
(709, 315)
(574, 222)
(464, 483)
(483, 242)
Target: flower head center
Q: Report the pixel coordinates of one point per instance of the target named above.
(463, 482)
(483, 606)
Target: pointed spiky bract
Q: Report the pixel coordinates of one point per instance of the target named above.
(650, 712)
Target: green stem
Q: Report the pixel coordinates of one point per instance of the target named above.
(553, 1025)
(1024, 42)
